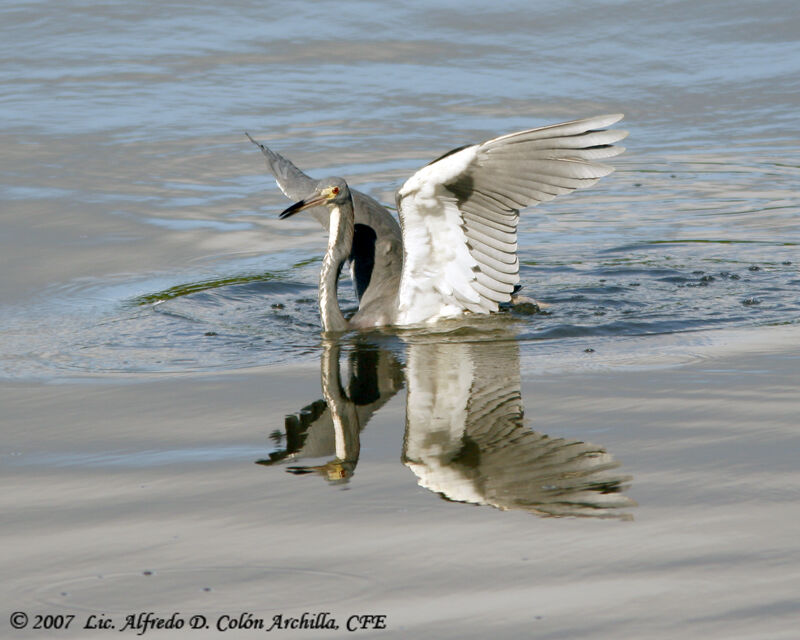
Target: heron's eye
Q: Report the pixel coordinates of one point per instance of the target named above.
(335, 191)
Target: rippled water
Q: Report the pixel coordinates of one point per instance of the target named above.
(139, 229)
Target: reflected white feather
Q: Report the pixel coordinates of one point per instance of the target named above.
(439, 379)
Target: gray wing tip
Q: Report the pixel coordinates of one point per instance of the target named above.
(601, 169)
(606, 120)
(592, 122)
(292, 182)
(261, 146)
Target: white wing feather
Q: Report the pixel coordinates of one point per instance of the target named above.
(459, 214)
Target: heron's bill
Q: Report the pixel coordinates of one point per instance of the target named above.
(297, 207)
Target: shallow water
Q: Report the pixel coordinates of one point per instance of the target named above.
(139, 243)
(140, 186)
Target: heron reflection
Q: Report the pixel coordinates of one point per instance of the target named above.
(465, 436)
(332, 425)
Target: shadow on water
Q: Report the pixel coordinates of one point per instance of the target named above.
(465, 437)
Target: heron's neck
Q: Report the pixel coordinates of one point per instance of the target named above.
(340, 242)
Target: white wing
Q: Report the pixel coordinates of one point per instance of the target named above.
(459, 214)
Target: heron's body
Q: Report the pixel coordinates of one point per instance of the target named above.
(458, 250)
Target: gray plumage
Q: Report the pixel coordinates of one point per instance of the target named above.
(376, 257)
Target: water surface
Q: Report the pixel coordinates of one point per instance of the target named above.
(126, 179)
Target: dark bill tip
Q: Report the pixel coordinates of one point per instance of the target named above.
(297, 207)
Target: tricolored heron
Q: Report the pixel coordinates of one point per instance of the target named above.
(457, 252)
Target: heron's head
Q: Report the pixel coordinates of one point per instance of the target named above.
(330, 191)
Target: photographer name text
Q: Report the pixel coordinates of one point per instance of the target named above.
(140, 623)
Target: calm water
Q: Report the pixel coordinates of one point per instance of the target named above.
(126, 180)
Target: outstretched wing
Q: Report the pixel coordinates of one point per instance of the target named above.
(460, 213)
(295, 184)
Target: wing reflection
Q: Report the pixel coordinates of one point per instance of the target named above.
(465, 437)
